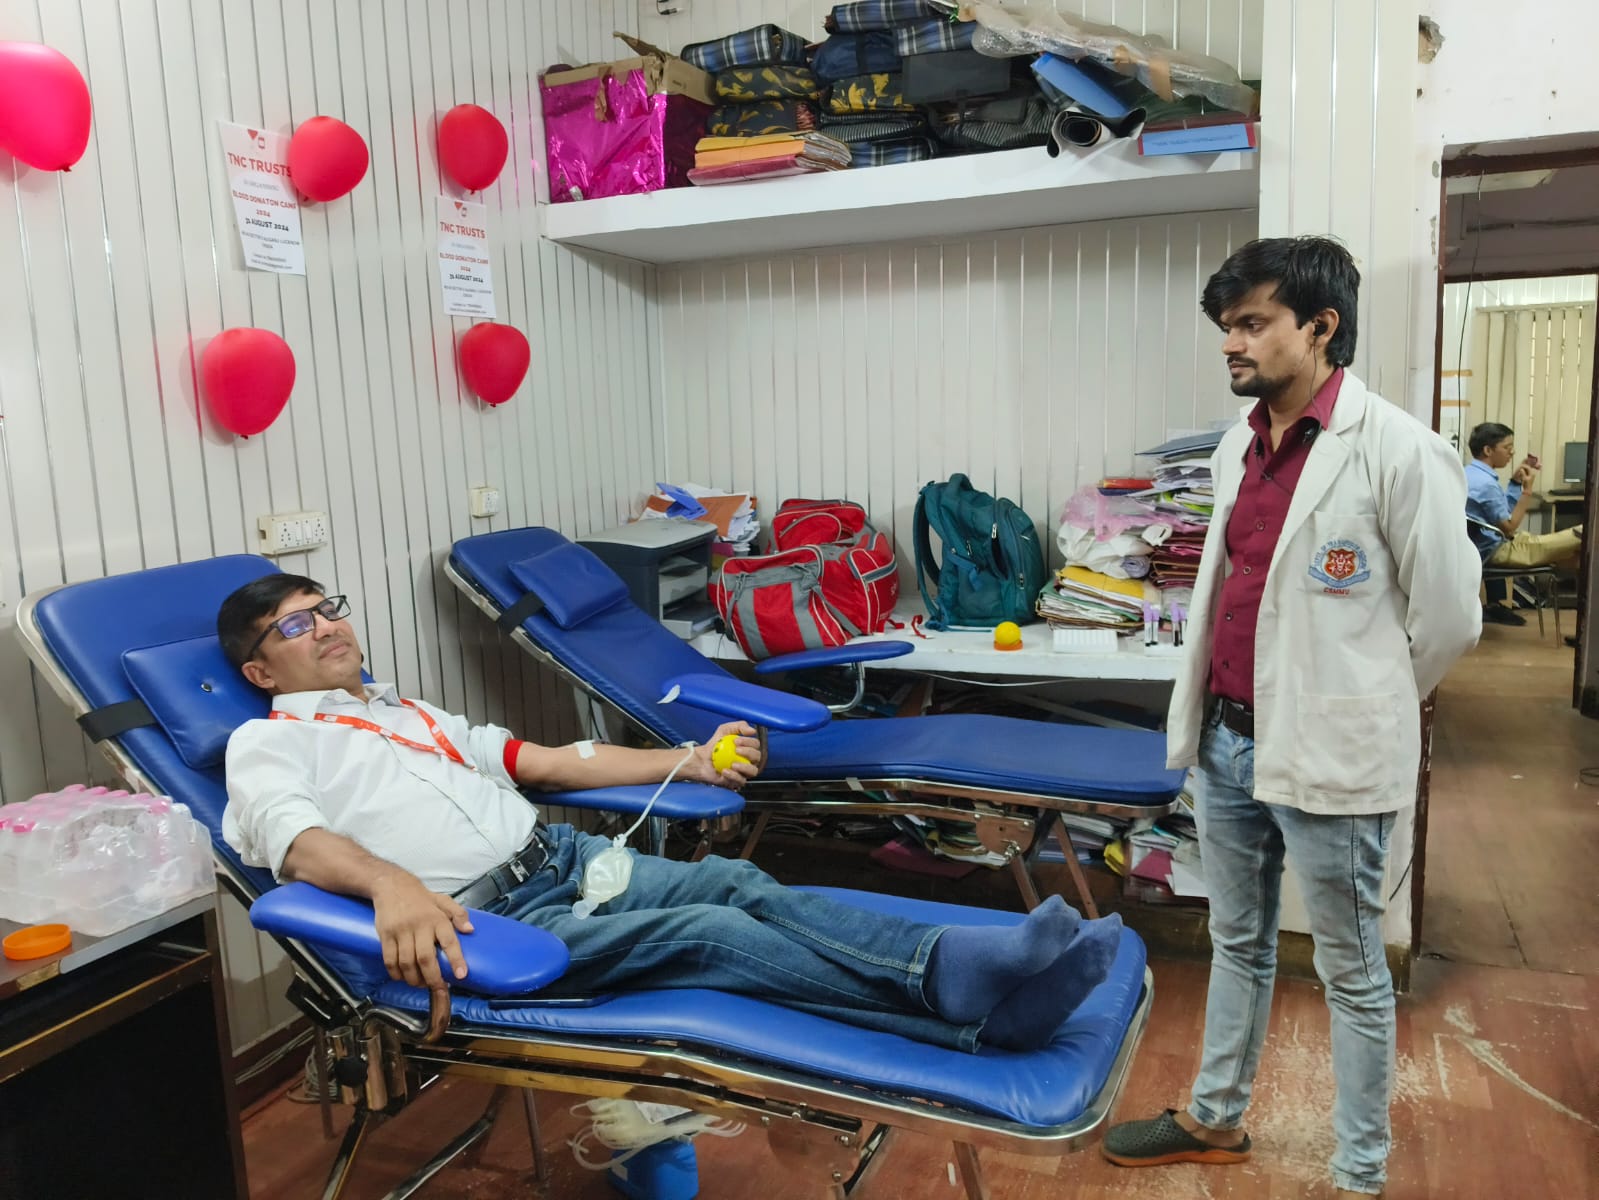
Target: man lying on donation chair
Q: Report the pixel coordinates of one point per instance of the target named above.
(352, 789)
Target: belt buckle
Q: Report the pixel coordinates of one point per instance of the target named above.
(516, 868)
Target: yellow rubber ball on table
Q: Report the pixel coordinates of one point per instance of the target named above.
(725, 753)
(1007, 634)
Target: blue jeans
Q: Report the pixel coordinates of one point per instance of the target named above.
(1340, 863)
(727, 925)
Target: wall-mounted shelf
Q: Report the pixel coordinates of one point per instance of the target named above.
(973, 194)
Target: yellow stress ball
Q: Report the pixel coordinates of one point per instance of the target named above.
(1007, 636)
(724, 754)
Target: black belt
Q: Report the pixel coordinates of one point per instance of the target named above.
(1240, 718)
(517, 869)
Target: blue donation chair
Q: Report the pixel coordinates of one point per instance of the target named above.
(135, 657)
(1009, 779)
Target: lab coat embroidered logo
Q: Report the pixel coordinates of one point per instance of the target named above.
(1338, 566)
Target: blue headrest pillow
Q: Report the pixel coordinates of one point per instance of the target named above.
(195, 694)
(573, 583)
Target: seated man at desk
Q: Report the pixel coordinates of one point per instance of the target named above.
(352, 789)
(1494, 514)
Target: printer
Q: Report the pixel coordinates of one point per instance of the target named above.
(666, 564)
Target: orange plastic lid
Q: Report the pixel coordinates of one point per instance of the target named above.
(36, 941)
(1016, 645)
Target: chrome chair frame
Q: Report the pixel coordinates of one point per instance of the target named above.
(1013, 824)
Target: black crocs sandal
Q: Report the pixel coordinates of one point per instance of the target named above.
(1155, 1143)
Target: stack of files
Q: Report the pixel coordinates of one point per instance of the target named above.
(1088, 837)
(1183, 491)
(1188, 480)
(1175, 563)
(947, 839)
(1167, 857)
(1104, 828)
(1182, 482)
(733, 513)
(1087, 848)
(730, 159)
(1182, 820)
(1187, 446)
(1083, 599)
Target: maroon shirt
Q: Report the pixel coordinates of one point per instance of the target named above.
(1252, 533)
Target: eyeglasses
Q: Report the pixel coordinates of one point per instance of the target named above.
(294, 624)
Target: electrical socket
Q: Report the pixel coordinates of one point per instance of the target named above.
(293, 533)
(485, 501)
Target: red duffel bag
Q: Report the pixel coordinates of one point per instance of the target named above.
(831, 577)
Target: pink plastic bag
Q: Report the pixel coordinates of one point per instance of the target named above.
(624, 144)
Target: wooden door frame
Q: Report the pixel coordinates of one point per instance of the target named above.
(1490, 164)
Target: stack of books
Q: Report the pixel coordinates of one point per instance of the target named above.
(731, 159)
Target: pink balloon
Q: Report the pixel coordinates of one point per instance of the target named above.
(326, 158)
(44, 106)
(494, 359)
(472, 146)
(247, 375)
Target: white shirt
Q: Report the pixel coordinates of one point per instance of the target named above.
(445, 823)
(1370, 596)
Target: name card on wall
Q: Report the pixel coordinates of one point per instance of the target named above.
(464, 270)
(264, 202)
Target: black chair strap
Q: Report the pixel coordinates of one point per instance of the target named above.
(511, 619)
(113, 720)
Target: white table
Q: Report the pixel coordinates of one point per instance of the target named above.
(960, 652)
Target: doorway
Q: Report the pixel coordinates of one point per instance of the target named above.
(1502, 873)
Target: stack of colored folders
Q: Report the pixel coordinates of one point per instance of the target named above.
(730, 159)
(1078, 598)
(1184, 495)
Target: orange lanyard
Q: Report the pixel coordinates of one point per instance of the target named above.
(443, 748)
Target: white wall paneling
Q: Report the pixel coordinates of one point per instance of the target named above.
(1034, 361)
(118, 268)
(1336, 138)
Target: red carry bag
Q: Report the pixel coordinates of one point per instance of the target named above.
(817, 523)
(831, 577)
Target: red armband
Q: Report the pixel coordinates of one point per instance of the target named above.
(512, 749)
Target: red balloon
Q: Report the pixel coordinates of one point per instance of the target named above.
(326, 158)
(247, 375)
(472, 146)
(44, 106)
(494, 359)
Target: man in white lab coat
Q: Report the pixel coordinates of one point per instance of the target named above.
(1337, 586)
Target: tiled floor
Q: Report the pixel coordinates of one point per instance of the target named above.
(1498, 1056)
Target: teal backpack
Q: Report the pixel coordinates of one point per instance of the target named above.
(993, 566)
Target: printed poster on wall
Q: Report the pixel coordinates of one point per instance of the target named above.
(264, 202)
(464, 270)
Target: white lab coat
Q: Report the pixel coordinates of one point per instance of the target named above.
(1370, 596)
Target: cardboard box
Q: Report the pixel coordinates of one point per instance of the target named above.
(664, 74)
